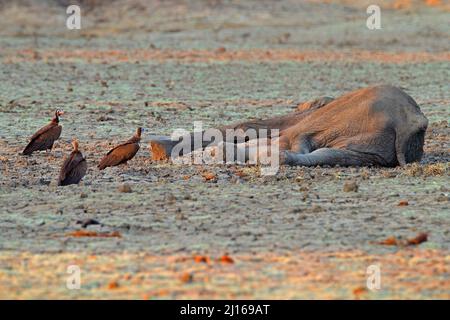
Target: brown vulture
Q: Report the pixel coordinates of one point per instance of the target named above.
(122, 153)
(74, 167)
(44, 138)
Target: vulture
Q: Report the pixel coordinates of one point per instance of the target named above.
(122, 153)
(74, 167)
(44, 138)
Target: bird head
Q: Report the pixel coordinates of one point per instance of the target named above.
(75, 144)
(138, 132)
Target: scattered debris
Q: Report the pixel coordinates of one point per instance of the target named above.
(357, 292)
(113, 285)
(94, 234)
(170, 198)
(200, 259)
(221, 50)
(393, 241)
(316, 208)
(403, 203)
(421, 237)
(226, 259)
(209, 176)
(104, 118)
(87, 222)
(187, 277)
(442, 198)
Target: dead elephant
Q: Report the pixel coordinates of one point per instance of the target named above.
(374, 126)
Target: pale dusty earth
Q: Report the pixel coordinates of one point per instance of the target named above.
(197, 231)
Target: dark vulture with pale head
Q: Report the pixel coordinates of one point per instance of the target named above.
(74, 167)
(122, 153)
(44, 138)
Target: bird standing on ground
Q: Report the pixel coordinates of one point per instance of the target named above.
(44, 138)
(74, 167)
(122, 153)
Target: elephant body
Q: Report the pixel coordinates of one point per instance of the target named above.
(379, 125)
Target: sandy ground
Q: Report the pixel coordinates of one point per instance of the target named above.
(216, 231)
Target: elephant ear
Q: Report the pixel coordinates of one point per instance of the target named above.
(314, 104)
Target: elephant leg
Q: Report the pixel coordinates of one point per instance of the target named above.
(161, 147)
(331, 157)
(304, 145)
(262, 151)
(232, 153)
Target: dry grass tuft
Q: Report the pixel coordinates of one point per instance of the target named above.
(435, 169)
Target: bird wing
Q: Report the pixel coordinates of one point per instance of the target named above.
(77, 173)
(130, 141)
(70, 164)
(119, 154)
(43, 130)
(44, 138)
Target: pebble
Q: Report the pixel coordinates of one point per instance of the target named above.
(125, 188)
(350, 186)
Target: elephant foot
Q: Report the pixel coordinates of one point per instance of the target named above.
(161, 149)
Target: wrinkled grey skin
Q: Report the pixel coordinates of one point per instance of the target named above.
(379, 125)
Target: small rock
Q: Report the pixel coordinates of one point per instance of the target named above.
(221, 50)
(170, 198)
(125, 188)
(113, 285)
(87, 222)
(104, 118)
(44, 182)
(443, 198)
(83, 195)
(403, 203)
(187, 277)
(350, 186)
(226, 259)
